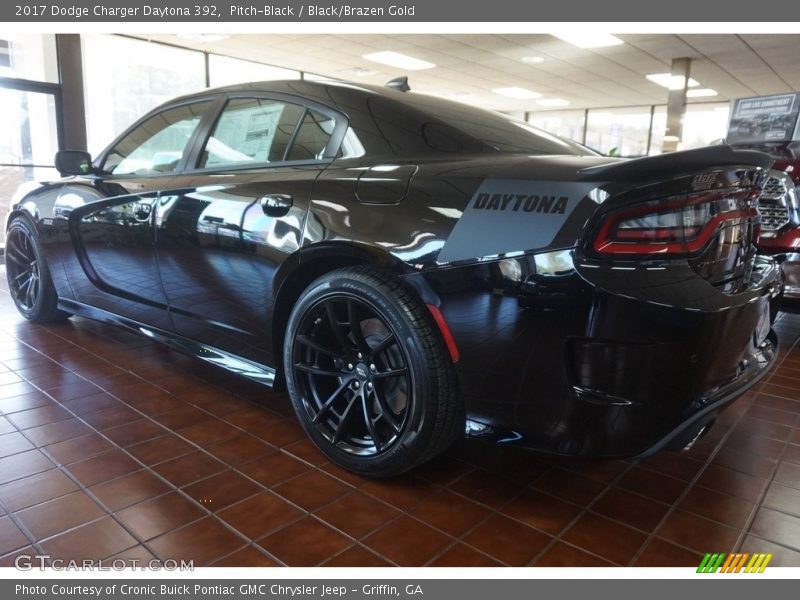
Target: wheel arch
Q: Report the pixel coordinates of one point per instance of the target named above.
(308, 264)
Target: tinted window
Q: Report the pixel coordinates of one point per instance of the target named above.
(312, 137)
(251, 131)
(459, 128)
(156, 146)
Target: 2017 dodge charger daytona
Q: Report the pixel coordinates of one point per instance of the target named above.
(411, 268)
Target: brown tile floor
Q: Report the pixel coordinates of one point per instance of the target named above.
(112, 446)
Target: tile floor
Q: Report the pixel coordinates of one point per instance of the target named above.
(113, 446)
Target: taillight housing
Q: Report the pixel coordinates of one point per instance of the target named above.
(671, 226)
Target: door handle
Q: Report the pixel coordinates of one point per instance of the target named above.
(276, 205)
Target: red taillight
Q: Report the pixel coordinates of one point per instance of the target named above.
(675, 226)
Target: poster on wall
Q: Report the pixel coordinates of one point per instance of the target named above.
(764, 119)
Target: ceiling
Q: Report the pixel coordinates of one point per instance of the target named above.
(469, 67)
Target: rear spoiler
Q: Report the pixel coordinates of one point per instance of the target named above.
(675, 163)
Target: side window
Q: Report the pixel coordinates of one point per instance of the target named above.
(251, 131)
(156, 146)
(312, 138)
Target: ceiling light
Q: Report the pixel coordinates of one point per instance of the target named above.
(702, 93)
(589, 39)
(203, 37)
(517, 92)
(401, 61)
(552, 102)
(670, 81)
(532, 60)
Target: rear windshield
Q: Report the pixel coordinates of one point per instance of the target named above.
(493, 130)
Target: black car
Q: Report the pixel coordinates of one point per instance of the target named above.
(411, 268)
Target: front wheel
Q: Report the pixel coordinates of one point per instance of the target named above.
(29, 280)
(368, 374)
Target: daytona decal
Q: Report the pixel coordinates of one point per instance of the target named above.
(512, 215)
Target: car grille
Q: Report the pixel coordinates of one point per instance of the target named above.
(772, 206)
(775, 189)
(773, 217)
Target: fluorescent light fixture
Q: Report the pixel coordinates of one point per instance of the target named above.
(517, 92)
(401, 61)
(203, 37)
(532, 60)
(589, 39)
(670, 81)
(702, 93)
(552, 102)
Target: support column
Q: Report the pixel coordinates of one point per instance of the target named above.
(676, 104)
(70, 69)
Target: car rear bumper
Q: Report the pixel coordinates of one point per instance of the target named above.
(610, 364)
(685, 433)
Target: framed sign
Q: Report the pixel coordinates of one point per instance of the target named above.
(764, 119)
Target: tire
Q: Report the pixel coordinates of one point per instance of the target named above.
(368, 373)
(29, 281)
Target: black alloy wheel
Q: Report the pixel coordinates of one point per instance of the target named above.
(368, 374)
(29, 281)
(22, 267)
(353, 375)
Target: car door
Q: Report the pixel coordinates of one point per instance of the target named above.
(221, 240)
(111, 223)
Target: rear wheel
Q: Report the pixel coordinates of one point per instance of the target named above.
(368, 374)
(29, 280)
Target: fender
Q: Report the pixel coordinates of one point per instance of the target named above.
(309, 262)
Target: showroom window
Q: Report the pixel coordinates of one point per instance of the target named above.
(566, 123)
(157, 145)
(704, 124)
(29, 101)
(619, 131)
(223, 70)
(28, 56)
(150, 75)
(251, 131)
(658, 130)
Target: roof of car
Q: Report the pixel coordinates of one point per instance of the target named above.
(320, 91)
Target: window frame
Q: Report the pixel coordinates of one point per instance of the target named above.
(213, 107)
(334, 143)
(218, 101)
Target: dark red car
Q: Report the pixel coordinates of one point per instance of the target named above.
(780, 212)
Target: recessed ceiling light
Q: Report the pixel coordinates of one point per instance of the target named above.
(701, 93)
(517, 92)
(552, 102)
(589, 39)
(203, 37)
(532, 60)
(670, 81)
(401, 61)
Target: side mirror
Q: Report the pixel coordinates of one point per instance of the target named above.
(73, 162)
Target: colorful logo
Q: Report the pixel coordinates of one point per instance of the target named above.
(734, 563)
